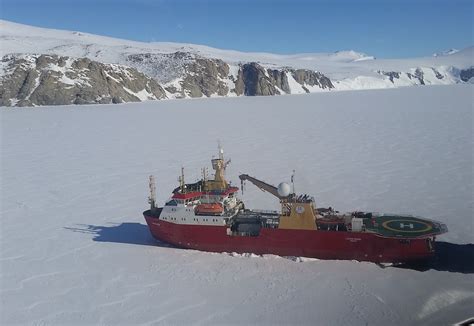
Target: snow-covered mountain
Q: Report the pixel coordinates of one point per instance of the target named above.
(186, 70)
(445, 52)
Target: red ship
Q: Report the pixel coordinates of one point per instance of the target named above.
(208, 216)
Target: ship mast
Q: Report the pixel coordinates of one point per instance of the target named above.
(182, 185)
(219, 165)
(293, 184)
(152, 197)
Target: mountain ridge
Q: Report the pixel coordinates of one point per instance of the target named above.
(187, 70)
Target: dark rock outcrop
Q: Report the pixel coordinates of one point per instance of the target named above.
(390, 74)
(205, 77)
(312, 78)
(437, 74)
(197, 76)
(279, 79)
(163, 67)
(254, 80)
(466, 74)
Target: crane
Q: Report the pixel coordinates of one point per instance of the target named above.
(263, 185)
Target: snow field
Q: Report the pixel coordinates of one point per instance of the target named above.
(75, 248)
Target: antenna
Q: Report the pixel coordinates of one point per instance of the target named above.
(221, 151)
(182, 184)
(152, 197)
(227, 163)
(293, 182)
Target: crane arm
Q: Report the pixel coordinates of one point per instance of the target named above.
(260, 184)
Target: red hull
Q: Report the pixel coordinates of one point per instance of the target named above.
(284, 242)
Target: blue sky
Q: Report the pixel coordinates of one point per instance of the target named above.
(384, 28)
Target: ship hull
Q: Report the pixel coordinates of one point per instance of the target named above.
(286, 242)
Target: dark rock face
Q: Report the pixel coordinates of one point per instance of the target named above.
(204, 77)
(279, 79)
(312, 78)
(437, 74)
(197, 76)
(254, 80)
(390, 74)
(52, 80)
(467, 74)
(419, 75)
(163, 67)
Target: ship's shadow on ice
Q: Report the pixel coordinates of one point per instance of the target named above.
(449, 257)
(130, 233)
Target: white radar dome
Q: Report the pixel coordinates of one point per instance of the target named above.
(284, 189)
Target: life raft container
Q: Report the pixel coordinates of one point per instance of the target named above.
(209, 209)
(331, 224)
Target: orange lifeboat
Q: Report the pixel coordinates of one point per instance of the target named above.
(209, 209)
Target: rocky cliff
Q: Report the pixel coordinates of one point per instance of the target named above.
(253, 79)
(189, 75)
(31, 80)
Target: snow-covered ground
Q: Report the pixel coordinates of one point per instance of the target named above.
(75, 248)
